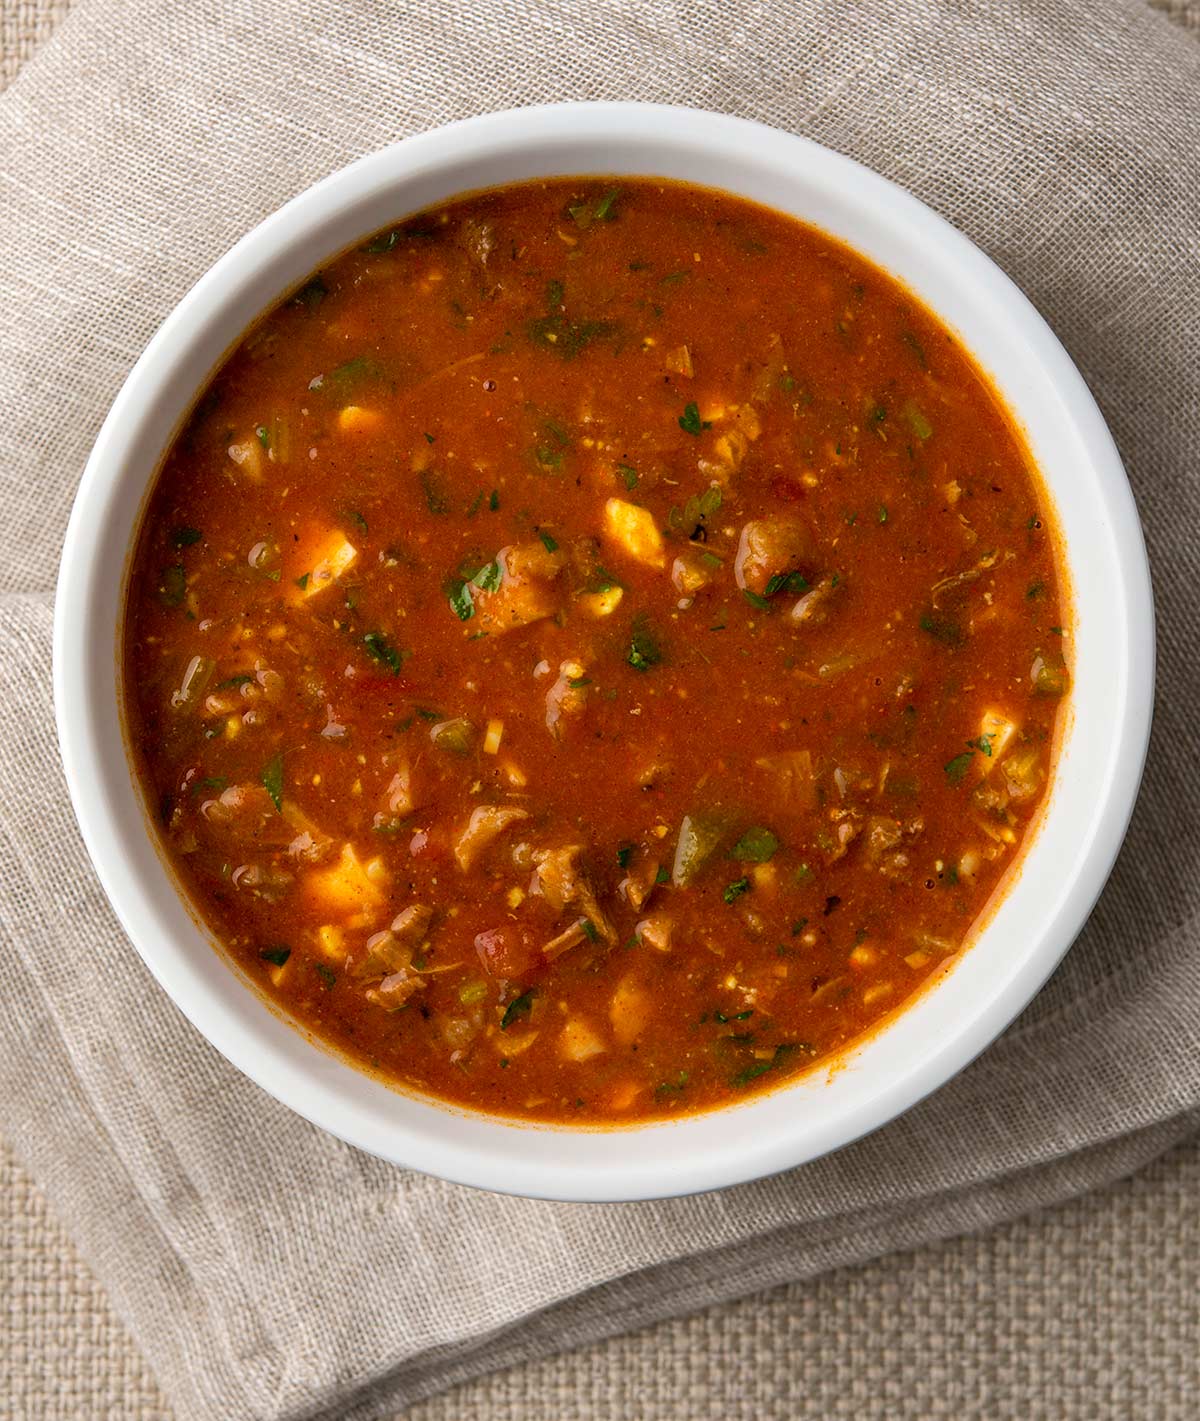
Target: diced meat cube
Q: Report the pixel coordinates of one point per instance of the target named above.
(528, 589)
(769, 547)
(485, 825)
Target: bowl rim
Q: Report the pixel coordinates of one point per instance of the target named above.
(478, 1160)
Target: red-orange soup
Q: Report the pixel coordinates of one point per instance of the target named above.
(596, 648)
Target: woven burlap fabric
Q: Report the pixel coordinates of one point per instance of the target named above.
(269, 1271)
(1084, 1313)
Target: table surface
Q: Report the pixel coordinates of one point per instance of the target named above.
(1085, 1312)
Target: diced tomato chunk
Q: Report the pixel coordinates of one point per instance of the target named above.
(507, 951)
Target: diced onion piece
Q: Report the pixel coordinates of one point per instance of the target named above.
(629, 1010)
(354, 419)
(996, 732)
(346, 886)
(493, 736)
(580, 1041)
(634, 531)
(679, 361)
(247, 454)
(918, 959)
(327, 560)
(864, 956)
(876, 993)
(332, 941)
(600, 604)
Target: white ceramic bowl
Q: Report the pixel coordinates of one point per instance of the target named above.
(1098, 770)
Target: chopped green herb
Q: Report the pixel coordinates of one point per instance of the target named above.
(302, 580)
(644, 650)
(737, 1016)
(1035, 590)
(757, 845)
(429, 439)
(920, 425)
(662, 876)
(311, 294)
(272, 778)
(629, 476)
(672, 1086)
(983, 744)
(624, 854)
(172, 586)
(355, 517)
(384, 242)
(327, 975)
(459, 594)
(547, 541)
(760, 1068)
(435, 495)
(358, 371)
(956, 769)
(756, 600)
(803, 873)
(487, 579)
(185, 537)
(916, 347)
(380, 649)
(798, 926)
(942, 629)
(568, 338)
(243, 679)
(733, 891)
(882, 515)
(589, 930)
(576, 682)
(793, 582)
(473, 507)
(518, 1007)
(494, 500)
(264, 436)
(690, 421)
(276, 956)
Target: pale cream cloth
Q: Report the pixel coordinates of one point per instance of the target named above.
(268, 1271)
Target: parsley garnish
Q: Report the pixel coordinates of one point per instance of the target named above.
(276, 956)
(956, 769)
(690, 421)
(272, 778)
(644, 650)
(380, 649)
(734, 890)
(757, 845)
(518, 1007)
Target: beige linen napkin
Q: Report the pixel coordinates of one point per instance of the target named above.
(267, 1270)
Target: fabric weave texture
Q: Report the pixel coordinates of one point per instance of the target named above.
(267, 1270)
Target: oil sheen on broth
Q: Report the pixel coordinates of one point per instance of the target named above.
(595, 649)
